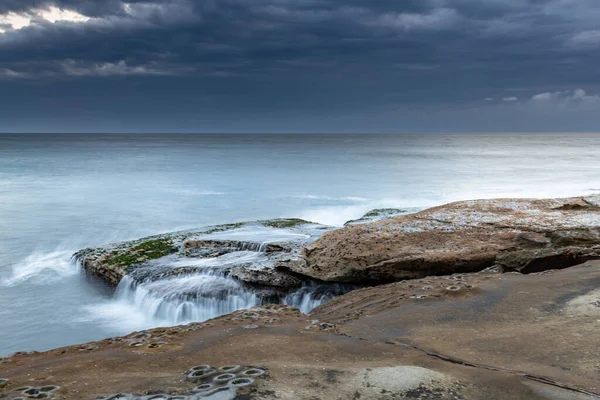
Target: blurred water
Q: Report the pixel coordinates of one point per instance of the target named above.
(60, 193)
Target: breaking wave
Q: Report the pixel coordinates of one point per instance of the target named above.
(43, 268)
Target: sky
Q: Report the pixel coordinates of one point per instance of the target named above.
(299, 65)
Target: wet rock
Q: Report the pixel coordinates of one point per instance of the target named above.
(516, 234)
(220, 383)
(153, 257)
(227, 246)
(266, 277)
(30, 392)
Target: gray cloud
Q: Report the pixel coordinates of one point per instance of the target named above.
(301, 56)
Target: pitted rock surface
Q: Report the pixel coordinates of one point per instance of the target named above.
(484, 335)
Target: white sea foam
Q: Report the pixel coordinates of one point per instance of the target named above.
(224, 261)
(42, 268)
(339, 215)
(257, 234)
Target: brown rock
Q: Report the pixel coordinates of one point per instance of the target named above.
(469, 336)
(520, 234)
(266, 277)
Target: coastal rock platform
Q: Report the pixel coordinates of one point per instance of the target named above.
(483, 335)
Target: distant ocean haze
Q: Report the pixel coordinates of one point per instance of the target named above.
(61, 193)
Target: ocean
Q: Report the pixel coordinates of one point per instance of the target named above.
(61, 193)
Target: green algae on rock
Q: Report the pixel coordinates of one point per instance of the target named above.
(148, 250)
(112, 262)
(285, 223)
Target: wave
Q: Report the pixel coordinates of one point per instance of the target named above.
(43, 268)
(339, 215)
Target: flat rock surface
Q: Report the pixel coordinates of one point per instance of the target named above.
(475, 336)
(517, 234)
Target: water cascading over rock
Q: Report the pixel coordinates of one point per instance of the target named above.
(197, 275)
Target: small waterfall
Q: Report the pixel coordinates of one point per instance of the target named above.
(197, 298)
(175, 290)
(311, 296)
(185, 299)
(305, 299)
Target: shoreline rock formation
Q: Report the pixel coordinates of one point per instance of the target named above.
(522, 235)
(199, 274)
(470, 336)
(495, 299)
(113, 261)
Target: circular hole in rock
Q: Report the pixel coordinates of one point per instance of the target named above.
(203, 388)
(239, 382)
(419, 296)
(31, 392)
(200, 374)
(453, 288)
(202, 368)
(253, 372)
(224, 377)
(229, 368)
(49, 388)
(159, 397)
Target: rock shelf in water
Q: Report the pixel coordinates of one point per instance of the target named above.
(199, 274)
(518, 322)
(281, 239)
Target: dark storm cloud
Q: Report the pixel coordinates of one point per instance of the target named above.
(379, 56)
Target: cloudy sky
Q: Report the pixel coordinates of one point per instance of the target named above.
(299, 65)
